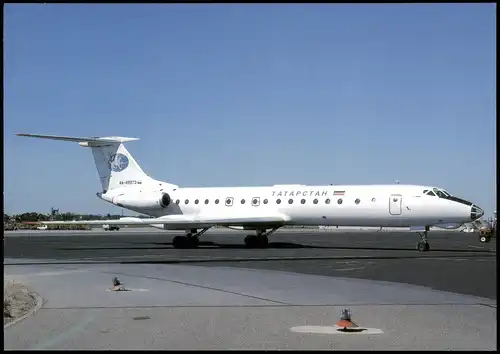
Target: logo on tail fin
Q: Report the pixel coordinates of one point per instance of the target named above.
(118, 162)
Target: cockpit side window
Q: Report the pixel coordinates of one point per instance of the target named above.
(431, 193)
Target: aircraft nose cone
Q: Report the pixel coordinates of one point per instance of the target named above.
(476, 212)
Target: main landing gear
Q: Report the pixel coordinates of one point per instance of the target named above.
(260, 240)
(191, 240)
(423, 245)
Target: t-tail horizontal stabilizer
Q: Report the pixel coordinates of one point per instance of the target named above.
(92, 141)
(115, 165)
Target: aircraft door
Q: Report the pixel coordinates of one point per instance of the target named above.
(395, 203)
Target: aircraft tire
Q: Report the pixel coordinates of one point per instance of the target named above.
(423, 247)
(193, 242)
(184, 242)
(177, 241)
(484, 239)
(250, 241)
(253, 241)
(262, 241)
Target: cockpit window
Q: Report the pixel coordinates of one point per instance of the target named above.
(439, 193)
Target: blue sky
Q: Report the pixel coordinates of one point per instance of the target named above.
(250, 95)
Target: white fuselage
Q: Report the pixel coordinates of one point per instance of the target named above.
(125, 184)
(348, 205)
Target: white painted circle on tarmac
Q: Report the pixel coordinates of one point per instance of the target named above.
(333, 330)
(126, 290)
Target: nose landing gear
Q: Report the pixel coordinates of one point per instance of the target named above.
(423, 245)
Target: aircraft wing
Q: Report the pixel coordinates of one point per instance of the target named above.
(184, 220)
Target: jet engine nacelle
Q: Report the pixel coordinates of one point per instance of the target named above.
(144, 200)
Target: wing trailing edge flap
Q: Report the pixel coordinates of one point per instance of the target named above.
(183, 220)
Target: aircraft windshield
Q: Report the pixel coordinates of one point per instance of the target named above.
(446, 193)
(439, 193)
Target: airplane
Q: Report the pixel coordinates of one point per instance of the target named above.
(261, 209)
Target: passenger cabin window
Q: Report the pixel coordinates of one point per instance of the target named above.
(278, 201)
(206, 201)
(315, 201)
(290, 201)
(327, 201)
(303, 201)
(216, 201)
(243, 201)
(265, 201)
(196, 201)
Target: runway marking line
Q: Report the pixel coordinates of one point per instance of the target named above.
(392, 304)
(195, 286)
(345, 269)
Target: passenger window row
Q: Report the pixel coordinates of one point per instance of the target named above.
(255, 201)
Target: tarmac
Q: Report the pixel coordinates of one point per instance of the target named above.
(223, 296)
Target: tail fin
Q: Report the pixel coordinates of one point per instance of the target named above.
(115, 166)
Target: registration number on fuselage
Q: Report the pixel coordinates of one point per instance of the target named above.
(130, 182)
